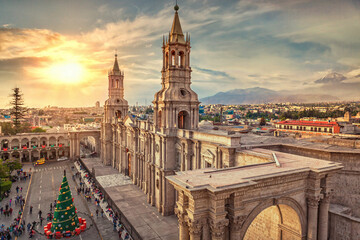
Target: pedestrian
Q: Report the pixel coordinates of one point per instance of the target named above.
(97, 212)
(17, 189)
(33, 225)
(10, 201)
(21, 189)
(40, 212)
(51, 207)
(28, 227)
(41, 220)
(31, 208)
(102, 213)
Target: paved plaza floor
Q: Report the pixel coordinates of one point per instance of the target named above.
(131, 201)
(44, 188)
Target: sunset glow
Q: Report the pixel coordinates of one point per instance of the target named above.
(66, 72)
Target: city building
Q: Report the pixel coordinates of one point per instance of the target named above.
(308, 127)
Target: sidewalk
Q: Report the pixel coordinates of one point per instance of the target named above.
(131, 201)
(106, 227)
(7, 221)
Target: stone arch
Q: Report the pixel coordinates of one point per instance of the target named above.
(118, 114)
(43, 141)
(5, 143)
(52, 141)
(34, 142)
(76, 137)
(25, 142)
(159, 119)
(61, 141)
(181, 60)
(15, 143)
(283, 205)
(183, 120)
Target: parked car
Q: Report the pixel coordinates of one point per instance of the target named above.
(62, 158)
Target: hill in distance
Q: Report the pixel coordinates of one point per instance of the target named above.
(259, 95)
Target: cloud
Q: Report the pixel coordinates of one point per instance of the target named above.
(214, 73)
(275, 44)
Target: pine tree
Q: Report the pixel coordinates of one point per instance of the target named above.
(65, 216)
(18, 110)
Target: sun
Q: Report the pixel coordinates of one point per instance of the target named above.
(66, 72)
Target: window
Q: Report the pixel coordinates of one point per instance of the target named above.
(159, 119)
(173, 58)
(181, 59)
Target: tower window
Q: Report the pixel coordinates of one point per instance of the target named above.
(173, 58)
(159, 119)
(181, 59)
(183, 120)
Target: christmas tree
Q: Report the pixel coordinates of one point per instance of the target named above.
(65, 216)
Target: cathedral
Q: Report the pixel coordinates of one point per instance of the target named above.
(149, 151)
(218, 188)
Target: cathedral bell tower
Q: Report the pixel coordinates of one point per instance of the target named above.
(176, 105)
(116, 107)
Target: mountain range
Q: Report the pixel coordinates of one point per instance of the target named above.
(259, 95)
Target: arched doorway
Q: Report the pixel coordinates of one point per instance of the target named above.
(129, 165)
(275, 223)
(183, 120)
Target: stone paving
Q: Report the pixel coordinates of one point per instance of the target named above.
(131, 201)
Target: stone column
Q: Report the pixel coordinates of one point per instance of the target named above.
(312, 204)
(235, 226)
(195, 229)
(183, 229)
(218, 229)
(324, 217)
(153, 185)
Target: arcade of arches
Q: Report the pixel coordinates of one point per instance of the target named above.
(32, 147)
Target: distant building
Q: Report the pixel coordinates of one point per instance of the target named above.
(97, 104)
(308, 127)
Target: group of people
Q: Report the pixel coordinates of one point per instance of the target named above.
(16, 227)
(22, 175)
(100, 198)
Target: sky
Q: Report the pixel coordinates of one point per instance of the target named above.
(59, 52)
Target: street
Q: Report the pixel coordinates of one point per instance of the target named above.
(45, 184)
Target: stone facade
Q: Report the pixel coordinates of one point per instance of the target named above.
(260, 201)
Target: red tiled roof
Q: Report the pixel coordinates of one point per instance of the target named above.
(309, 123)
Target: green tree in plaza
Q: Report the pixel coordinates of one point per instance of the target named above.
(17, 110)
(65, 216)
